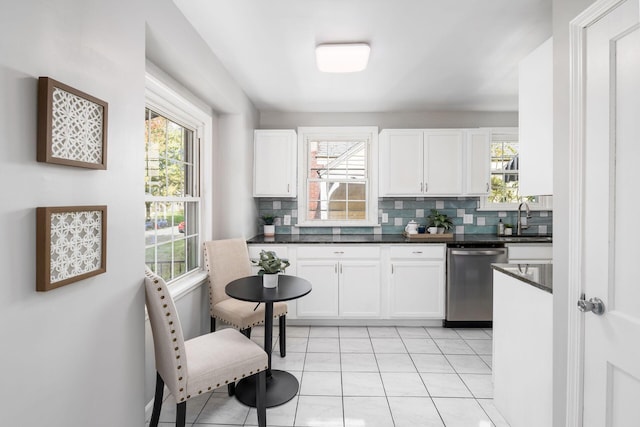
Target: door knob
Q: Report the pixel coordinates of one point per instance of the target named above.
(594, 305)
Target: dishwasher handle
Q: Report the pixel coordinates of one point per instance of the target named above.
(478, 253)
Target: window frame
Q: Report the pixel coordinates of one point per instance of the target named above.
(366, 133)
(186, 110)
(545, 203)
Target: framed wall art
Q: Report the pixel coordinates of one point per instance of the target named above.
(72, 126)
(71, 244)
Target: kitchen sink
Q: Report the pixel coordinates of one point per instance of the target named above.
(535, 239)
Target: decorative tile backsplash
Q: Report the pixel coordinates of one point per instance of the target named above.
(394, 214)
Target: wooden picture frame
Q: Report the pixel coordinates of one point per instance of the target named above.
(71, 244)
(72, 126)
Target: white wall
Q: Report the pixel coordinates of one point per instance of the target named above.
(563, 12)
(174, 46)
(427, 119)
(72, 356)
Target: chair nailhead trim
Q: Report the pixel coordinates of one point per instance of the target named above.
(180, 379)
(188, 396)
(209, 388)
(218, 386)
(182, 389)
(199, 391)
(182, 399)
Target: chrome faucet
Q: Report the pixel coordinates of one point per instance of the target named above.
(520, 226)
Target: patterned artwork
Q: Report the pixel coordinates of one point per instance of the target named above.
(76, 132)
(72, 126)
(70, 245)
(75, 244)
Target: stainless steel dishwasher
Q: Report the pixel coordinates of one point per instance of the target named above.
(470, 283)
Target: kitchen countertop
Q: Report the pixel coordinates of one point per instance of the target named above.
(538, 275)
(394, 238)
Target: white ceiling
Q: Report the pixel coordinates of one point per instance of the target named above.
(426, 55)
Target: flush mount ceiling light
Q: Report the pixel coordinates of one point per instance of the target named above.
(342, 57)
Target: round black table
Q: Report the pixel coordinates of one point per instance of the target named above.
(281, 385)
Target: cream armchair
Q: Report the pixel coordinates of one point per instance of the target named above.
(227, 260)
(199, 365)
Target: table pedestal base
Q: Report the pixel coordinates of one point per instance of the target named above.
(281, 387)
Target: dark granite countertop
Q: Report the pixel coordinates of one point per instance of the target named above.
(394, 238)
(538, 275)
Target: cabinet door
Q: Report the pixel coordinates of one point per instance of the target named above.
(274, 163)
(535, 121)
(417, 289)
(478, 153)
(443, 162)
(359, 289)
(323, 299)
(401, 163)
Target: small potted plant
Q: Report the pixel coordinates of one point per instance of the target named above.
(270, 265)
(439, 222)
(508, 229)
(269, 227)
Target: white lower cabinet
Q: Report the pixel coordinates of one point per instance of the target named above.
(522, 253)
(345, 281)
(416, 282)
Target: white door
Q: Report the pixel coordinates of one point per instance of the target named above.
(610, 233)
(417, 289)
(443, 162)
(359, 289)
(401, 167)
(323, 299)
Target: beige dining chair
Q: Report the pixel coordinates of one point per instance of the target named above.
(199, 365)
(227, 260)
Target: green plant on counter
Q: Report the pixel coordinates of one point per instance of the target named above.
(268, 219)
(270, 263)
(440, 220)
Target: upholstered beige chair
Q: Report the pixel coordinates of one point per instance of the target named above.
(199, 365)
(227, 260)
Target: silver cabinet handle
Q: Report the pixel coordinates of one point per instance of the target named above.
(426, 187)
(416, 252)
(340, 268)
(421, 187)
(391, 268)
(335, 268)
(288, 187)
(338, 252)
(487, 187)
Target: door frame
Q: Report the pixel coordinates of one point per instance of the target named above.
(577, 108)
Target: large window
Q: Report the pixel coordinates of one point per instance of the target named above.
(505, 175)
(172, 199)
(339, 186)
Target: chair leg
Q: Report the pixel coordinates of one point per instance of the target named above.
(282, 326)
(213, 324)
(181, 414)
(157, 402)
(246, 332)
(261, 390)
(231, 389)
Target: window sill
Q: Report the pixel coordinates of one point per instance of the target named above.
(336, 224)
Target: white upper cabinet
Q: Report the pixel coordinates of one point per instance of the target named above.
(434, 162)
(442, 162)
(274, 163)
(478, 162)
(536, 121)
(401, 162)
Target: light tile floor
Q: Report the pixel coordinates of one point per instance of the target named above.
(369, 377)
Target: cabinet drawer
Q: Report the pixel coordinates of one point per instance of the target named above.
(530, 252)
(341, 252)
(280, 250)
(418, 251)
